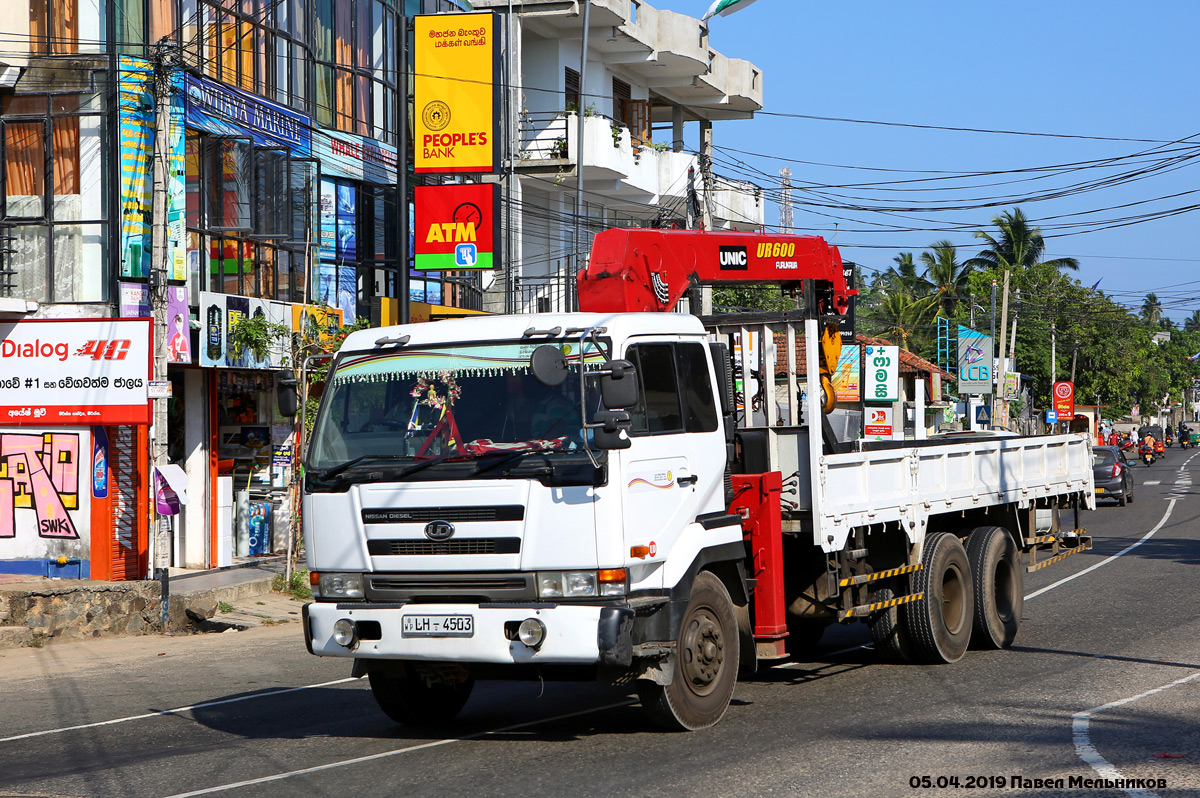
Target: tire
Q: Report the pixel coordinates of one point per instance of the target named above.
(705, 662)
(940, 622)
(410, 700)
(888, 629)
(999, 583)
(1129, 491)
(1122, 500)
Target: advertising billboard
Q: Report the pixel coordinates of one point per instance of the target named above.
(456, 227)
(76, 371)
(1064, 400)
(221, 313)
(881, 374)
(846, 376)
(456, 97)
(135, 97)
(974, 362)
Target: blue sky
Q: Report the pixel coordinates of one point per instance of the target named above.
(1082, 69)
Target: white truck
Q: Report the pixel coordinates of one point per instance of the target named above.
(577, 496)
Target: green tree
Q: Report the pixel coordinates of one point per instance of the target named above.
(945, 275)
(1019, 246)
(1152, 310)
(1193, 322)
(901, 315)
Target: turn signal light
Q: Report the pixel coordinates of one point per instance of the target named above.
(611, 575)
(639, 552)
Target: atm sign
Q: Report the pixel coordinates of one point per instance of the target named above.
(456, 227)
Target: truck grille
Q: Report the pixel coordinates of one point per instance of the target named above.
(443, 587)
(423, 515)
(420, 548)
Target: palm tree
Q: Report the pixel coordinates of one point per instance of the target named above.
(1018, 247)
(900, 314)
(945, 275)
(903, 276)
(1152, 310)
(1193, 322)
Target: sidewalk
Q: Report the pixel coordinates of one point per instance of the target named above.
(35, 611)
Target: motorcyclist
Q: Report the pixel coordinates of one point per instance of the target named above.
(1185, 435)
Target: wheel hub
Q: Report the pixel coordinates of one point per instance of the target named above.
(703, 652)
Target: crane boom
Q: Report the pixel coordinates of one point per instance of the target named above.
(649, 270)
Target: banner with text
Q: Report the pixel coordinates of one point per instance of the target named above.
(77, 371)
(456, 97)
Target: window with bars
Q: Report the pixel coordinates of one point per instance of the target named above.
(571, 93)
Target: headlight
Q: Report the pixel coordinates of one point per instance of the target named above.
(581, 584)
(335, 585)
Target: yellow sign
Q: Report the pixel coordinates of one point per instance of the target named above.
(455, 103)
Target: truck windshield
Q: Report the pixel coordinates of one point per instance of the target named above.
(446, 402)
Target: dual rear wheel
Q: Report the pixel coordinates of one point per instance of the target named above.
(973, 595)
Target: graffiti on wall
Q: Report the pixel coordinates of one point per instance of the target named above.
(39, 472)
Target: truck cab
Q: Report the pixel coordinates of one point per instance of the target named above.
(466, 516)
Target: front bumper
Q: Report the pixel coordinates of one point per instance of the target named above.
(575, 634)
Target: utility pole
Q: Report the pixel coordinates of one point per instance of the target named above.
(165, 59)
(1000, 372)
(1053, 354)
(706, 178)
(1074, 354)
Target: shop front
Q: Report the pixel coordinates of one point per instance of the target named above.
(74, 411)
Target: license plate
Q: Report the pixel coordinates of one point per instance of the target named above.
(437, 626)
(1099, 490)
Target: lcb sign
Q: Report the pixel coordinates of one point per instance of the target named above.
(1064, 400)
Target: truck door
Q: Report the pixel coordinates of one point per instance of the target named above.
(675, 468)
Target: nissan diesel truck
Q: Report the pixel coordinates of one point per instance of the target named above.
(582, 496)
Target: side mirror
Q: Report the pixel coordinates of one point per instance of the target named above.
(613, 432)
(618, 386)
(549, 365)
(286, 395)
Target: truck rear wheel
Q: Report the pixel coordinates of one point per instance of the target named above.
(706, 662)
(412, 699)
(940, 622)
(999, 586)
(891, 637)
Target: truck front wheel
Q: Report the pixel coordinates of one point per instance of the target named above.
(706, 662)
(940, 623)
(419, 699)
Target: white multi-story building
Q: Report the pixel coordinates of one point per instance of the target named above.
(648, 74)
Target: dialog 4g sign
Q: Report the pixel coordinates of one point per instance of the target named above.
(75, 371)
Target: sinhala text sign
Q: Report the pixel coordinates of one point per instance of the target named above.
(455, 95)
(77, 371)
(456, 226)
(881, 374)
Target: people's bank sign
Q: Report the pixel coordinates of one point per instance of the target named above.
(455, 94)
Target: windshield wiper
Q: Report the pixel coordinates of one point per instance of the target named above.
(333, 471)
(507, 457)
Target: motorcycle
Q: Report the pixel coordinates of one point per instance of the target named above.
(1146, 452)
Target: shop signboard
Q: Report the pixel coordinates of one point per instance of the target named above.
(315, 324)
(176, 180)
(881, 374)
(974, 363)
(75, 371)
(135, 300)
(179, 337)
(456, 227)
(355, 157)
(227, 111)
(456, 96)
(220, 314)
(877, 424)
(1064, 400)
(846, 376)
(135, 98)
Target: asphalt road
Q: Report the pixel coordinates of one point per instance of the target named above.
(1103, 682)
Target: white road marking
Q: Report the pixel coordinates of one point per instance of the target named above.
(397, 752)
(1152, 482)
(1107, 560)
(176, 711)
(1080, 725)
